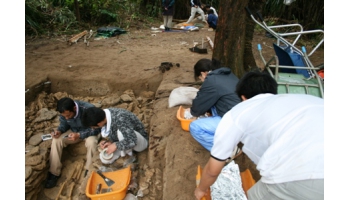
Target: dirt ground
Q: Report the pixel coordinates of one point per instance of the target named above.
(131, 62)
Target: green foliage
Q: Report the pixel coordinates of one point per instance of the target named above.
(309, 13)
(44, 15)
(153, 10)
(63, 18)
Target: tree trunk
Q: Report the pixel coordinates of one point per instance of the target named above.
(77, 12)
(234, 35)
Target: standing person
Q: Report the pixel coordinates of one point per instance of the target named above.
(282, 134)
(125, 132)
(196, 8)
(217, 95)
(212, 19)
(168, 13)
(70, 119)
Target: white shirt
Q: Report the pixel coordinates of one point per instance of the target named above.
(282, 135)
(106, 128)
(215, 13)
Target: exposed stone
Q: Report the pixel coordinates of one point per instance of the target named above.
(28, 171)
(123, 105)
(147, 94)
(40, 166)
(31, 195)
(60, 95)
(125, 98)
(148, 174)
(28, 147)
(34, 151)
(45, 144)
(111, 101)
(32, 177)
(136, 110)
(34, 160)
(130, 93)
(140, 116)
(29, 134)
(130, 107)
(45, 114)
(45, 153)
(35, 139)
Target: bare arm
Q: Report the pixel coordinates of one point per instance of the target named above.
(210, 173)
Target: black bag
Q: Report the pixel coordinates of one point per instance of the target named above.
(109, 31)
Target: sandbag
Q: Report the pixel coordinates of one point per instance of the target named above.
(182, 96)
(228, 185)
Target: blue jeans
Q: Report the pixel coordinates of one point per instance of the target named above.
(203, 129)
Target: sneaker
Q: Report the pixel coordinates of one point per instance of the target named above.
(51, 180)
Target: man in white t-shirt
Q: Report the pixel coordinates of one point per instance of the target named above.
(281, 133)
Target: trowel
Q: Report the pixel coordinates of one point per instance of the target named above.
(108, 181)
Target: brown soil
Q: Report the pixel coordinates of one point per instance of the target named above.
(131, 62)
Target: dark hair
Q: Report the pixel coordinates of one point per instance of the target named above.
(207, 6)
(92, 116)
(65, 104)
(205, 65)
(210, 11)
(254, 83)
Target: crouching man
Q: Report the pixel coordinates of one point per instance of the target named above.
(123, 130)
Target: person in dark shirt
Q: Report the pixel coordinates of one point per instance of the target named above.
(70, 131)
(168, 13)
(212, 19)
(216, 96)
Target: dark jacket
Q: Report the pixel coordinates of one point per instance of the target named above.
(195, 3)
(219, 90)
(212, 21)
(75, 123)
(126, 122)
(170, 5)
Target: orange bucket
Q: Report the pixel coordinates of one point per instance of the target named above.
(119, 188)
(185, 123)
(247, 181)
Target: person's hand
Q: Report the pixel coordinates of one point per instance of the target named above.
(166, 8)
(104, 144)
(198, 193)
(56, 133)
(196, 6)
(73, 136)
(112, 147)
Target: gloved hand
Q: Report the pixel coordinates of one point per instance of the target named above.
(187, 114)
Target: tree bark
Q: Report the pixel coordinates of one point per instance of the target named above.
(77, 12)
(234, 35)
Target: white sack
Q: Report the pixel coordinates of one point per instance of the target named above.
(182, 96)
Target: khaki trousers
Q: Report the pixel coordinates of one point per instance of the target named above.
(168, 21)
(195, 10)
(57, 146)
